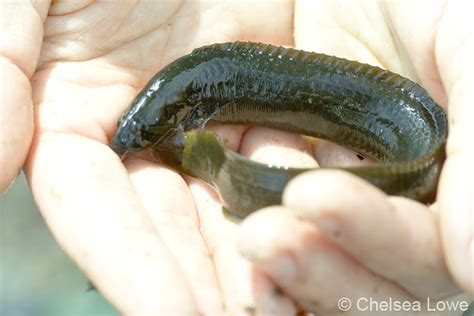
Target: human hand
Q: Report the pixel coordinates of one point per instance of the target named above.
(149, 241)
(106, 222)
(20, 43)
(336, 236)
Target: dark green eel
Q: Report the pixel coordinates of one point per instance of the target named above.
(366, 108)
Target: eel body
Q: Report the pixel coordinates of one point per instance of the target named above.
(366, 108)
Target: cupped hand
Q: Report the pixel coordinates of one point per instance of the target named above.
(153, 242)
(335, 236)
(148, 240)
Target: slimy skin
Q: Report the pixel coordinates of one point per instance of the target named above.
(365, 108)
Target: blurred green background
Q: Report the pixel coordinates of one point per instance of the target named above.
(36, 277)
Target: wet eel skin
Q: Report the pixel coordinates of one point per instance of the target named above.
(366, 108)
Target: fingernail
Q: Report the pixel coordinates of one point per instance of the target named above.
(329, 227)
(282, 267)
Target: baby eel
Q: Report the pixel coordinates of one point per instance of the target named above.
(371, 110)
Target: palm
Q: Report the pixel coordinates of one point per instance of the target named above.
(93, 63)
(143, 230)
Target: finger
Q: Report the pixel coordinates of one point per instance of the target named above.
(379, 232)
(88, 202)
(170, 205)
(16, 121)
(456, 205)
(21, 33)
(329, 154)
(229, 135)
(245, 291)
(278, 148)
(306, 266)
(456, 189)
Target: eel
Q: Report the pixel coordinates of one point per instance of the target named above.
(371, 110)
